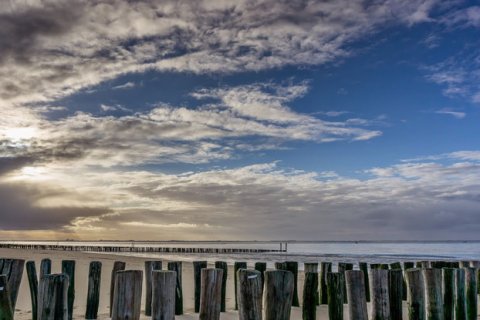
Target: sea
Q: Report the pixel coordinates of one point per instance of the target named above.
(303, 251)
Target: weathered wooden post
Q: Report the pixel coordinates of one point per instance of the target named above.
(460, 298)
(177, 267)
(128, 295)
(278, 294)
(211, 293)
(33, 284)
(150, 266)
(6, 310)
(197, 274)
(14, 271)
(310, 285)
(357, 301)
(342, 267)
(433, 293)
(449, 293)
(45, 267)
(363, 266)
(313, 267)
(416, 294)
(395, 290)
(379, 294)
(395, 266)
(292, 266)
(406, 265)
(262, 267)
(325, 268)
(471, 293)
(335, 295)
(68, 268)
(237, 266)
(280, 265)
(93, 293)
(223, 265)
(164, 285)
(53, 297)
(249, 294)
(117, 266)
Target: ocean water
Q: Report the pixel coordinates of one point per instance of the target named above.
(372, 252)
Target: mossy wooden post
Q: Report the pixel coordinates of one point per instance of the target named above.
(164, 285)
(210, 294)
(127, 300)
(342, 267)
(262, 267)
(471, 293)
(93, 293)
(433, 293)
(6, 310)
(197, 275)
(68, 268)
(177, 267)
(14, 279)
(325, 268)
(395, 266)
(357, 302)
(406, 265)
(150, 266)
(53, 297)
(395, 290)
(280, 265)
(237, 266)
(310, 285)
(460, 298)
(335, 295)
(45, 267)
(292, 266)
(117, 266)
(278, 294)
(379, 294)
(416, 294)
(249, 294)
(33, 284)
(223, 265)
(313, 267)
(448, 293)
(363, 266)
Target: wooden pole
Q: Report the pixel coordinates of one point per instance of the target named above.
(177, 267)
(53, 297)
(262, 267)
(237, 266)
(460, 297)
(292, 266)
(416, 294)
(68, 268)
(249, 294)
(471, 293)
(342, 267)
(33, 284)
(406, 265)
(313, 267)
(325, 268)
(128, 295)
(310, 285)
(335, 295)
(449, 293)
(6, 310)
(363, 266)
(280, 266)
(395, 266)
(164, 285)
(150, 266)
(223, 265)
(93, 293)
(45, 267)
(117, 266)
(357, 305)
(395, 290)
(278, 294)
(433, 292)
(197, 274)
(379, 294)
(14, 274)
(210, 294)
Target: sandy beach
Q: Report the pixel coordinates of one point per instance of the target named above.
(23, 307)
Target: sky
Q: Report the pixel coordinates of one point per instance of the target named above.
(240, 120)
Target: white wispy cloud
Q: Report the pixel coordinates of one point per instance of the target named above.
(455, 114)
(127, 85)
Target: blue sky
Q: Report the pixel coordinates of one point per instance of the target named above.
(342, 118)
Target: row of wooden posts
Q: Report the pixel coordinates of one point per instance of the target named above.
(433, 290)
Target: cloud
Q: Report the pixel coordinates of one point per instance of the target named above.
(50, 49)
(127, 85)
(455, 114)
